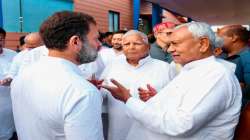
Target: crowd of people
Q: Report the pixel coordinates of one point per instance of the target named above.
(70, 82)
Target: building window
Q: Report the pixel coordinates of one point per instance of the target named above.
(114, 21)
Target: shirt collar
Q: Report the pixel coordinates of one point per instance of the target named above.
(239, 53)
(45, 50)
(156, 45)
(196, 63)
(141, 62)
(68, 64)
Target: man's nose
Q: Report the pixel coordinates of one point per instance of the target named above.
(170, 48)
(98, 45)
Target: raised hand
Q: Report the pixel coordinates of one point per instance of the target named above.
(6, 81)
(97, 83)
(146, 94)
(118, 91)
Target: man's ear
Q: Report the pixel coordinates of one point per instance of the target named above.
(205, 44)
(156, 35)
(74, 42)
(234, 38)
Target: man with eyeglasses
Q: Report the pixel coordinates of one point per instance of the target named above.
(159, 47)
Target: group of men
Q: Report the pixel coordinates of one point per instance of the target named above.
(60, 95)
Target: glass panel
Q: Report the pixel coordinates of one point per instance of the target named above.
(111, 29)
(116, 22)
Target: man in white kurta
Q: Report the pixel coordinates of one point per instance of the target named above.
(32, 41)
(147, 71)
(34, 55)
(53, 107)
(6, 118)
(57, 102)
(202, 103)
(110, 54)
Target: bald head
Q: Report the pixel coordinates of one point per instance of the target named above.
(235, 30)
(33, 40)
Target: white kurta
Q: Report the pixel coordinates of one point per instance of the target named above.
(105, 56)
(6, 118)
(33, 56)
(108, 55)
(149, 71)
(202, 103)
(56, 102)
(176, 68)
(231, 66)
(16, 64)
(93, 68)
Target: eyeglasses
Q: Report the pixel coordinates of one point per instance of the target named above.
(165, 33)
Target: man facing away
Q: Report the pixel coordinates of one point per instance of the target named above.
(58, 103)
(31, 40)
(201, 103)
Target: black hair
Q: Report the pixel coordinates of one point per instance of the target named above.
(58, 28)
(2, 31)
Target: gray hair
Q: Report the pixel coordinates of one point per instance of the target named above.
(200, 29)
(218, 41)
(136, 32)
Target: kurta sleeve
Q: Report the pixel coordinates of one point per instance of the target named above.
(82, 117)
(205, 99)
(14, 67)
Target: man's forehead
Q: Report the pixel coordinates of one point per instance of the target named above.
(221, 30)
(226, 28)
(118, 35)
(93, 28)
(135, 37)
(93, 33)
(167, 30)
(181, 32)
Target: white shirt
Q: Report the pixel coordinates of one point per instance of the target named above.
(56, 103)
(6, 118)
(93, 68)
(16, 64)
(176, 68)
(109, 54)
(87, 69)
(231, 66)
(149, 71)
(202, 103)
(33, 56)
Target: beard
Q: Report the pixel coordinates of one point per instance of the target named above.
(117, 46)
(87, 53)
